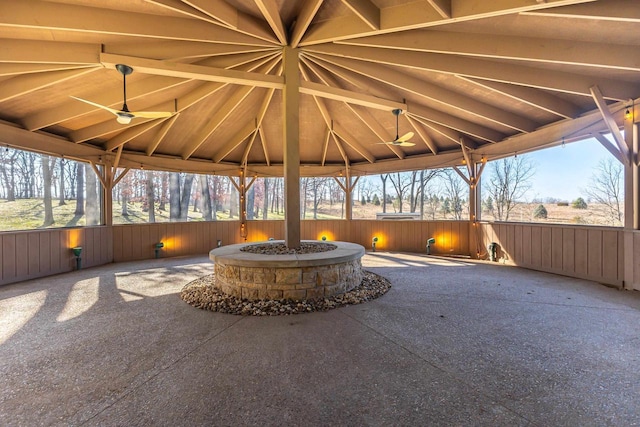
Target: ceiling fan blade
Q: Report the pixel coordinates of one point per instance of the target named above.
(403, 144)
(151, 114)
(404, 138)
(109, 109)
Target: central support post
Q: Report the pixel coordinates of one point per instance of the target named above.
(291, 141)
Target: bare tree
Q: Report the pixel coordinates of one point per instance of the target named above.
(402, 182)
(454, 190)
(605, 188)
(151, 197)
(509, 180)
(383, 178)
(47, 172)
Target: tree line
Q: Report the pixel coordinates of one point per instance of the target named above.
(151, 196)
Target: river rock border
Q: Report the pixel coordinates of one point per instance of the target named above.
(202, 293)
(298, 277)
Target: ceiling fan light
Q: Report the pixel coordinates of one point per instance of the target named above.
(124, 119)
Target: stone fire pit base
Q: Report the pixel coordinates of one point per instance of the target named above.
(203, 294)
(292, 276)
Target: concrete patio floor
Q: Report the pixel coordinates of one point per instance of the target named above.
(452, 343)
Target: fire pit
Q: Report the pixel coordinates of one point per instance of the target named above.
(268, 270)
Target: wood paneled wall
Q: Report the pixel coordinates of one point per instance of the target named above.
(452, 237)
(39, 253)
(137, 241)
(594, 253)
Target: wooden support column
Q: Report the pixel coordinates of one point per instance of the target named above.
(107, 191)
(242, 192)
(631, 201)
(348, 196)
(291, 140)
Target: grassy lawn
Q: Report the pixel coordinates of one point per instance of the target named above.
(28, 214)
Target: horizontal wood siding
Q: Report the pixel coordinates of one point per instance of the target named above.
(137, 241)
(39, 253)
(593, 253)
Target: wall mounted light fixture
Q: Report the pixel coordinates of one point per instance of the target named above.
(430, 241)
(77, 251)
(157, 247)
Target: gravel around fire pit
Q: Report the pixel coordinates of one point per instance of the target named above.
(282, 249)
(202, 293)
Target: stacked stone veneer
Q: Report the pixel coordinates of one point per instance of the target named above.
(317, 276)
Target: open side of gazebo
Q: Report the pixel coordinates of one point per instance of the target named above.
(277, 88)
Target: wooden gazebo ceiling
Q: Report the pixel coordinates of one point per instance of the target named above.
(494, 77)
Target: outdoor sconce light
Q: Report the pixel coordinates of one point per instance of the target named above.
(627, 113)
(492, 248)
(219, 243)
(77, 251)
(430, 241)
(157, 247)
(324, 238)
(373, 243)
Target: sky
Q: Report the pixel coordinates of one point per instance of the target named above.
(564, 172)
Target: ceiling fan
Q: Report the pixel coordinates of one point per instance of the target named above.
(402, 141)
(124, 116)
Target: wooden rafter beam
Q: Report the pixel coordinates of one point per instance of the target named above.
(443, 7)
(306, 15)
(271, 13)
(233, 18)
(337, 94)
(536, 98)
(581, 127)
(610, 122)
(72, 108)
(539, 50)
(553, 80)
(360, 112)
(265, 150)
(14, 69)
(336, 140)
(422, 14)
(47, 52)
(609, 147)
(245, 154)
(325, 146)
(433, 92)
(182, 8)
(46, 143)
(610, 10)
(246, 131)
(130, 133)
(162, 132)
(463, 176)
(365, 10)
(68, 17)
(216, 120)
(121, 175)
(455, 123)
(430, 143)
(27, 83)
(449, 133)
(232, 143)
(179, 50)
(111, 125)
(346, 136)
(374, 126)
(196, 72)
